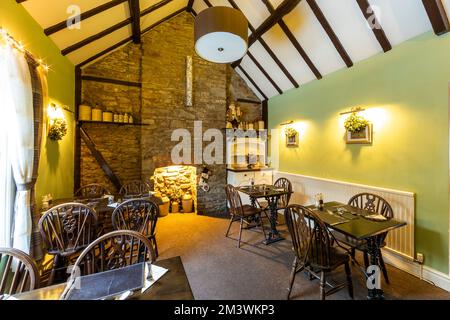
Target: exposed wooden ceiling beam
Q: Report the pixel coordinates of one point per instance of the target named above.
(437, 15)
(135, 14)
(170, 16)
(116, 27)
(294, 41)
(330, 32)
(95, 37)
(268, 49)
(105, 52)
(154, 7)
(283, 9)
(371, 18)
(189, 6)
(252, 81)
(85, 15)
(127, 40)
(260, 67)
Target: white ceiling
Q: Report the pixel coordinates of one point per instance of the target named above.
(400, 19)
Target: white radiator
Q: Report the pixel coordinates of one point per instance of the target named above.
(399, 241)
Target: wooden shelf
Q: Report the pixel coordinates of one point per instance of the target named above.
(81, 122)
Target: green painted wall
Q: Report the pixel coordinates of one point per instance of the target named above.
(406, 94)
(56, 163)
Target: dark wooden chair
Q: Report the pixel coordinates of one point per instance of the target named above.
(283, 202)
(137, 215)
(376, 204)
(92, 191)
(114, 250)
(313, 250)
(241, 212)
(67, 229)
(18, 272)
(135, 188)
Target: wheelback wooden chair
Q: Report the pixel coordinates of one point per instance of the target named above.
(376, 204)
(93, 190)
(313, 250)
(283, 201)
(137, 215)
(67, 229)
(241, 212)
(18, 272)
(114, 250)
(135, 188)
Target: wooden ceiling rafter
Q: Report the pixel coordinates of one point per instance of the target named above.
(268, 50)
(135, 14)
(275, 17)
(85, 15)
(372, 19)
(129, 39)
(260, 67)
(252, 82)
(115, 27)
(437, 16)
(293, 40)
(330, 32)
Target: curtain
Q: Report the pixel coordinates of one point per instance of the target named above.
(7, 185)
(21, 144)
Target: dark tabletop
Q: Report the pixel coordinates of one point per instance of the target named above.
(263, 191)
(354, 222)
(174, 285)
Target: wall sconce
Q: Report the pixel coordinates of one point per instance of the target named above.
(353, 110)
(287, 123)
(57, 125)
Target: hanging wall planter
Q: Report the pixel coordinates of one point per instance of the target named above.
(359, 129)
(291, 137)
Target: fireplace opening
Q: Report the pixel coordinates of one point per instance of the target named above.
(177, 186)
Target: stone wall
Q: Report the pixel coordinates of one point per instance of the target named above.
(159, 63)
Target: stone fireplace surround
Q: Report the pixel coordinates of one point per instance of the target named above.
(176, 182)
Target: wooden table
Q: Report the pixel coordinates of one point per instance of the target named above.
(354, 224)
(174, 285)
(272, 195)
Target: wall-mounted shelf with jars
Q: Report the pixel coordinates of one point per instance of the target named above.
(81, 122)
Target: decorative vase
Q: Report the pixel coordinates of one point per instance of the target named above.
(175, 207)
(164, 208)
(187, 204)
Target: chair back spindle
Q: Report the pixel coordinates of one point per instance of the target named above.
(137, 215)
(114, 250)
(285, 184)
(92, 191)
(310, 237)
(68, 228)
(18, 272)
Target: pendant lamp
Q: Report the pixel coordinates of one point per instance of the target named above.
(221, 34)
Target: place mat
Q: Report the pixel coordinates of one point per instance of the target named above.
(108, 284)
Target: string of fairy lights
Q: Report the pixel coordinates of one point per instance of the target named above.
(18, 45)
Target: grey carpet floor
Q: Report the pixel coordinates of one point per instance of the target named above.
(218, 270)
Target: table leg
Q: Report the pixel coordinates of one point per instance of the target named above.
(374, 246)
(273, 235)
